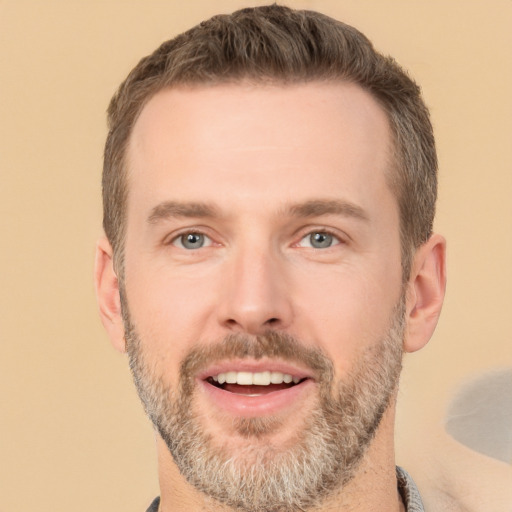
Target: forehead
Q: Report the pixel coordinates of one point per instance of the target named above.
(202, 108)
(259, 138)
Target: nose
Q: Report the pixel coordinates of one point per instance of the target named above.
(255, 296)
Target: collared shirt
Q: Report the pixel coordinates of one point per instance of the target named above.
(406, 487)
(408, 490)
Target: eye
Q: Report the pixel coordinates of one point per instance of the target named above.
(191, 241)
(319, 240)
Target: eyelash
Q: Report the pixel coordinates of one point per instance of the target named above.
(311, 231)
(325, 231)
(176, 238)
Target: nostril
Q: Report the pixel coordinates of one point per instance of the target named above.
(252, 324)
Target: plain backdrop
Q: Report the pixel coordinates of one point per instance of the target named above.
(72, 433)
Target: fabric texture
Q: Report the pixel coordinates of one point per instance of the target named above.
(409, 492)
(406, 487)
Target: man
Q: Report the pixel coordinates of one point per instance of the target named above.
(269, 190)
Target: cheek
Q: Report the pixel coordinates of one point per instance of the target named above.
(345, 312)
(169, 313)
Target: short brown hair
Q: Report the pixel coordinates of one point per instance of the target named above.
(276, 44)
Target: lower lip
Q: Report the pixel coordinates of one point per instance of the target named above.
(260, 405)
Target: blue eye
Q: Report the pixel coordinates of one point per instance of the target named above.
(192, 241)
(319, 240)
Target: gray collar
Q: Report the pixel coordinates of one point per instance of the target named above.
(409, 492)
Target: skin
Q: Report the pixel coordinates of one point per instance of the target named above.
(257, 156)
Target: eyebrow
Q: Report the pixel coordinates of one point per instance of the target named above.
(170, 209)
(312, 208)
(318, 207)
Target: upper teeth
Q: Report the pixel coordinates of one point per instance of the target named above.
(257, 378)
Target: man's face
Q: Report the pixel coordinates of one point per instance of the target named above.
(263, 245)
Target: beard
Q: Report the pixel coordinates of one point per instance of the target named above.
(320, 459)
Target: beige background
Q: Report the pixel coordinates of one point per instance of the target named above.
(72, 433)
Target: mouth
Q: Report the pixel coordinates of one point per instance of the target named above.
(254, 384)
(241, 390)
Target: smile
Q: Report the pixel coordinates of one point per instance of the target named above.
(253, 383)
(254, 393)
(257, 378)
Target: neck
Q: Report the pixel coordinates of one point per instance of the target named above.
(373, 488)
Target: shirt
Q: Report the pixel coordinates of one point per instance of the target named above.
(406, 487)
(408, 490)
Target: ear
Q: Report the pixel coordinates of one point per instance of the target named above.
(107, 294)
(425, 292)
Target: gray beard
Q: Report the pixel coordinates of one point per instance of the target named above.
(264, 477)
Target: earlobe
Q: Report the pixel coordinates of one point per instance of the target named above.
(107, 294)
(425, 293)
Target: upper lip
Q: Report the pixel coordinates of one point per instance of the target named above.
(253, 366)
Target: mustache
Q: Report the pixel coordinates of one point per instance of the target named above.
(271, 344)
